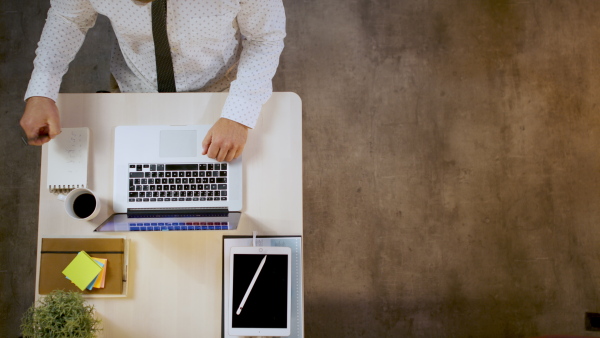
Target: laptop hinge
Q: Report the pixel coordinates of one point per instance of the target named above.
(150, 212)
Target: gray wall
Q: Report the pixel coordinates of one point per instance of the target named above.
(451, 169)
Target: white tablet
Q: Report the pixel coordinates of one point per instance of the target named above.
(260, 291)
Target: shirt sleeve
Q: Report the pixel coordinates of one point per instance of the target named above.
(262, 23)
(66, 25)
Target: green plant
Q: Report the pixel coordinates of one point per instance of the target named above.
(60, 314)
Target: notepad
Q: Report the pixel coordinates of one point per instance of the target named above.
(99, 281)
(68, 160)
(82, 270)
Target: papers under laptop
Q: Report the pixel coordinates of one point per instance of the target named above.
(162, 182)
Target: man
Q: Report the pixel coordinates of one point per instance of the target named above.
(204, 48)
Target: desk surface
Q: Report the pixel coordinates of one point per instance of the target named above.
(174, 281)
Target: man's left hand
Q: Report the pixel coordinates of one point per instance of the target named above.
(225, 141)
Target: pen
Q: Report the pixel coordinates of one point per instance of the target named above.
(239, 310)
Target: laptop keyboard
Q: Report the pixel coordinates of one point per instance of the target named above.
(161, 182)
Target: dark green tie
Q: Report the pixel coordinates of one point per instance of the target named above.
(162, 50)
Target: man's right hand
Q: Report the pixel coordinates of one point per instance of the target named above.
(40, 121)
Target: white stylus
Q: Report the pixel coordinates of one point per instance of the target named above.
(239, 310)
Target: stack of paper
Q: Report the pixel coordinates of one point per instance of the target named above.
(101, 278)
(86, 272)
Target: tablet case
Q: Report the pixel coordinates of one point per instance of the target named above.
(57, 253)
(294, 243)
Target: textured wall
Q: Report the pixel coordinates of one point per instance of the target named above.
(450, 163)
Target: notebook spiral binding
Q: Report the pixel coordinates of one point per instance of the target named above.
(64, 189)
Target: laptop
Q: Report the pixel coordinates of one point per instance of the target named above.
(162, 182)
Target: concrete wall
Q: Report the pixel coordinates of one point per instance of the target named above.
(451, 169)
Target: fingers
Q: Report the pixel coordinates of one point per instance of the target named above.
(38, 140)
(224, 153)
(206, 142)
(225, 141)
(33, 130)
(228, 154)
(213, 151)
(53, 127)
(38, 136)
(40, 121)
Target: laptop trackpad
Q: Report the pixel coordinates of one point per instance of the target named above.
(178, 143)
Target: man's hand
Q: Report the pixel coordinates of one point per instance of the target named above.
(40, 121)
(225, 141)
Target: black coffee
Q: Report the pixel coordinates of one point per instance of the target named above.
(84, 205)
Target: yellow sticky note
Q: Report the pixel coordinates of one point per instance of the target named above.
(101, 277)
(82, 270)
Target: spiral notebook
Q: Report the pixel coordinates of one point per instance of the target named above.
(68, 160)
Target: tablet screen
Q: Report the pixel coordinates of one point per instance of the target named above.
(266, 304)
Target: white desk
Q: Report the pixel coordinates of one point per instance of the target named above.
(174, 281)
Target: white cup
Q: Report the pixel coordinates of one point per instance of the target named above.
(81, 204)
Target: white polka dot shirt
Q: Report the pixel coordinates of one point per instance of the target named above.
(202, 36)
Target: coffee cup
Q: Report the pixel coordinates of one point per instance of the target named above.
(81, 204)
